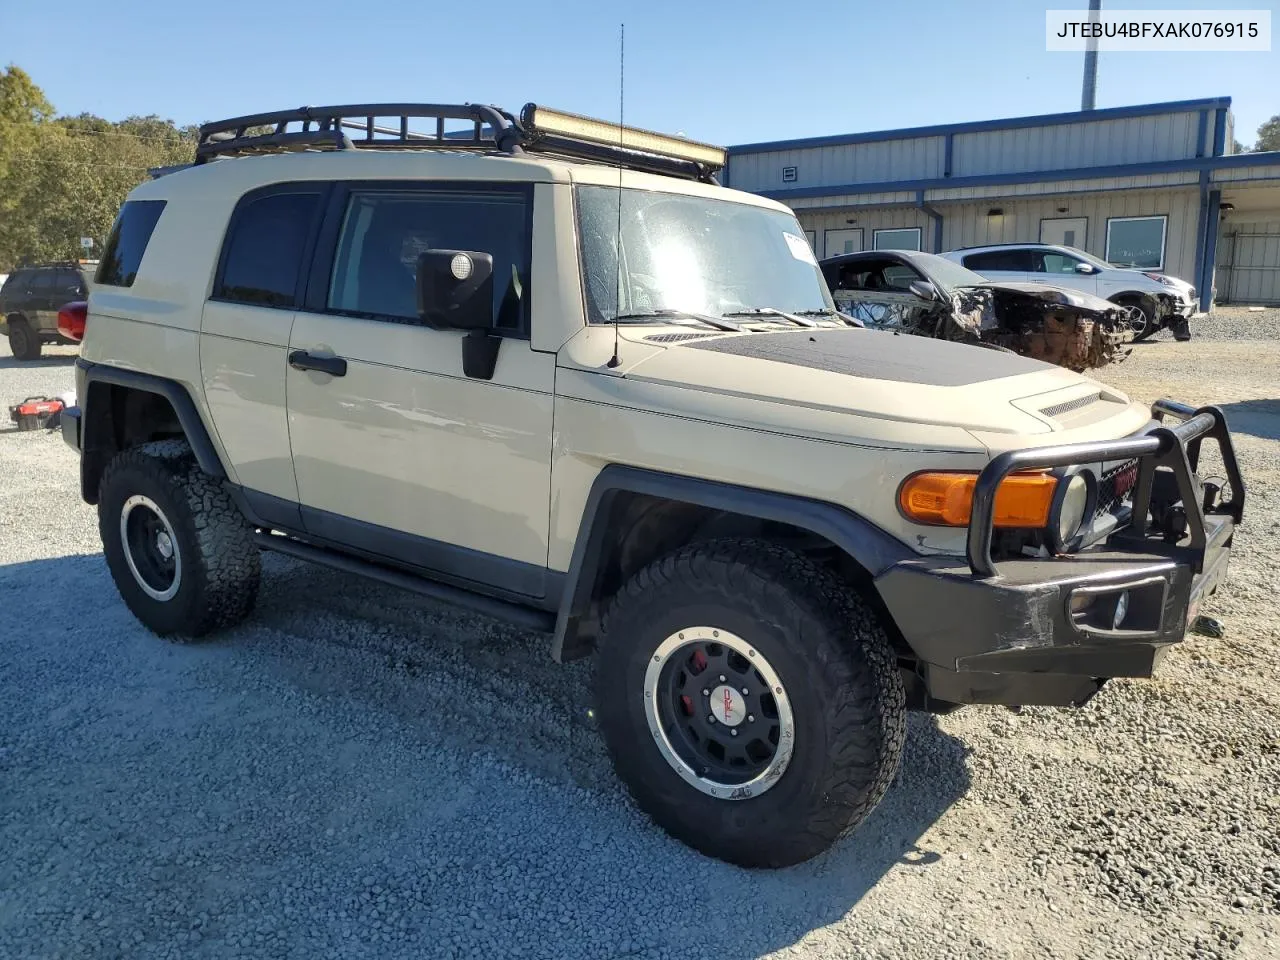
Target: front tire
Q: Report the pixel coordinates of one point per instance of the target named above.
(752, 615)
(1142, 322)
(23, 342)
(181, 554)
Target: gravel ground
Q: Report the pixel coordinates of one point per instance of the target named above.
(358, 772)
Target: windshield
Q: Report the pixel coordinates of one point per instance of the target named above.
(692, 254)
(947, 272)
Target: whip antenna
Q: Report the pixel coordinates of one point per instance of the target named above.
(617, 273)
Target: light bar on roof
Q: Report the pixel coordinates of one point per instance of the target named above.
(557, 123)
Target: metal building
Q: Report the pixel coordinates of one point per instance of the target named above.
(1152, 185)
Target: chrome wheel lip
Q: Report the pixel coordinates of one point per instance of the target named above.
(770, 775)
(139, 501)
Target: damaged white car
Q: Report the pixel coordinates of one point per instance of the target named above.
(927, 295)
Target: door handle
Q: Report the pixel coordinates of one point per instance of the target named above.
(334, 366)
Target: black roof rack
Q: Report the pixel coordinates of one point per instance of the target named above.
(364, 126)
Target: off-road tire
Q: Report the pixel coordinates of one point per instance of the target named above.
(23, 342)
(221, 565)
(841, 677)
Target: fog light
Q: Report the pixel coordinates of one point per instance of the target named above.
(1122, 608)
(1072, 505)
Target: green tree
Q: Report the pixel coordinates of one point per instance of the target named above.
(1269, 135)
(63, 178)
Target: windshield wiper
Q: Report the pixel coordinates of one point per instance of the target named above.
(835, 314)
(656, 315)
(797, 319)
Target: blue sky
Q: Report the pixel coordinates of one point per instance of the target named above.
(723, 72)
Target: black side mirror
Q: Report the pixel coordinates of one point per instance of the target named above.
(455, 289)
(923, 289)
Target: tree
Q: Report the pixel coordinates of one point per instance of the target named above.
(63, 178)
(1269, 135)
(1238, 147)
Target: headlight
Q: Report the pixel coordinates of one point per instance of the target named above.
(1071, 506)
(1159, 278)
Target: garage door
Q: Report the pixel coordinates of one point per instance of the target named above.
(1250, 270)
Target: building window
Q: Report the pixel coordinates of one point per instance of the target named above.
(812, 237)
(789, 174)
(902, 239)
(1136, 241)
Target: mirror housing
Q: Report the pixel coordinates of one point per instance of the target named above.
(1083, 267)
(455, 289)
(923, 289)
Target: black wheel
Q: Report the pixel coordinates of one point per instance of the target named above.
(1141, 322)
(23, 342)
(751, 702)
(181, 554)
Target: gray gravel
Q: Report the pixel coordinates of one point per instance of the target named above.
(357, 772)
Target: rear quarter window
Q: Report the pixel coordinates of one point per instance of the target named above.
(128, 241)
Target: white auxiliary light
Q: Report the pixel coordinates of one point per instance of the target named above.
(575, 127)
(1122, 608)
(460, 266)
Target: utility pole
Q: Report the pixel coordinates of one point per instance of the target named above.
(1090, 61)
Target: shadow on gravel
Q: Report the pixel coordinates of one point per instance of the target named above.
(352, 762)
(1259, 418)
(12, 363)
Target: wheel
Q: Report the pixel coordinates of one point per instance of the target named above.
(181, 554)
(23, 342)
(1141, 322)
(751, 702)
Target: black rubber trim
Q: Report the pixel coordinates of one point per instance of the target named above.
(866, 543)
(517, 614)
(178, 397)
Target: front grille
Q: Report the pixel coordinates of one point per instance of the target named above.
(676, 337)
(1115, 488)
(1079, 403)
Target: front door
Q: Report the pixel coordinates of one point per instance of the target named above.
(1065, 231)
(397, 452)
(836, 242)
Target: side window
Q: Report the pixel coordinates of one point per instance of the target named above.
(375, 267)
(1015, 260)
(42, 281)
(69, 282)
(1050, 261)
(129, 237)
(263, 250)
(898, 276)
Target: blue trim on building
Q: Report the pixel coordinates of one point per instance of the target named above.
(1207, 267)
(1202, 131)
(933, 215)
(1220, 132)
(948, 154)
(1030, 176)
(1012, 123)
(1202, 218)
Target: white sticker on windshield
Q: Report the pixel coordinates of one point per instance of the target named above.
(800, 248)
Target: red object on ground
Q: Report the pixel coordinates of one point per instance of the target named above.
(71, 319)
(35, 412)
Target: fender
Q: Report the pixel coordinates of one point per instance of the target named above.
(89, 373)
(866, 543)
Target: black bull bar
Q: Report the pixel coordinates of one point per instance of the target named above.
(1176, 447)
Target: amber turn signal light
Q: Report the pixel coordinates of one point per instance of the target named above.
(945, 499)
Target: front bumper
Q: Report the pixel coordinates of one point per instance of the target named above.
(1043, 631)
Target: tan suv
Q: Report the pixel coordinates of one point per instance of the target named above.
(549, 370)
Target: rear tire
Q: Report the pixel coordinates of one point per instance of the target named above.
(837, 678)
(180, 552)
(23, 342)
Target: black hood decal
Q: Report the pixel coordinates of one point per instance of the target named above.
(878, 355)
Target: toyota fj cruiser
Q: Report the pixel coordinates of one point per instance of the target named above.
(549, 370)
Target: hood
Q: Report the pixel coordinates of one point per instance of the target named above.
(1053, 294)
(872, 374)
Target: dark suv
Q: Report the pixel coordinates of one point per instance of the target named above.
(30, 300)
